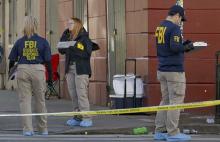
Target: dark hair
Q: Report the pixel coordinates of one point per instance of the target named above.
(172, 13)
(177, 9)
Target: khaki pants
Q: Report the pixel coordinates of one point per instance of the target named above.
(78, 90)
(31, 81)
(173, 86)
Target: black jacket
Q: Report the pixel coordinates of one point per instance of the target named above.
(80, 52)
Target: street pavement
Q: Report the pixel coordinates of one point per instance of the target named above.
(105, 124)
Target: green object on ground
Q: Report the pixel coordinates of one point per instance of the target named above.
(140, 131)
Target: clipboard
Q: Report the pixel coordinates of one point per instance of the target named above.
(199, 45)
(65, 44)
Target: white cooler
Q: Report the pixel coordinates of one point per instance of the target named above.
(118, 86)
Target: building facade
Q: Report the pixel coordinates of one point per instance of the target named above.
(123, 29)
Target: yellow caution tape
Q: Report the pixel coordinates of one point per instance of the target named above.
(125, 111)
(148, 109)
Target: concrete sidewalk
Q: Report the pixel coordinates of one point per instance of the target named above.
(106, 124)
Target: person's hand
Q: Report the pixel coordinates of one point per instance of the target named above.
(187, 42)
(12, 72)
(188, 45)
(10, 69)
(11, 76)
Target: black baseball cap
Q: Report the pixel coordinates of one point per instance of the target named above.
(177, 9)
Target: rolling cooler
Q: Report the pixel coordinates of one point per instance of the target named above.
(128, 89)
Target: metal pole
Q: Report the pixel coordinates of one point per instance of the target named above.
(125, 87)
(180, 3)
(217, 108)
(135, 77)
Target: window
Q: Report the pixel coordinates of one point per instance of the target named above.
(27, 7)
(80, 10)
(2, 12)
(12, 21)
(2, 39)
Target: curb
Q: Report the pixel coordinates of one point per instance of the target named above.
(201, 129)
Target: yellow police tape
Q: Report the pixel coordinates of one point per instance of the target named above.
(125, 111)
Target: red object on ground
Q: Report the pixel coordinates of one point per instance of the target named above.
(55, 62)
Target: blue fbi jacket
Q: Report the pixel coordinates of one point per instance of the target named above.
(33, 50)
(170, 50)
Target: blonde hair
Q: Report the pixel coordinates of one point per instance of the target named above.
(30, 26)
(77, 27)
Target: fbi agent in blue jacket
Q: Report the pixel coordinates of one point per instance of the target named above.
(171, 75)
(78, 69)
(32, 52)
